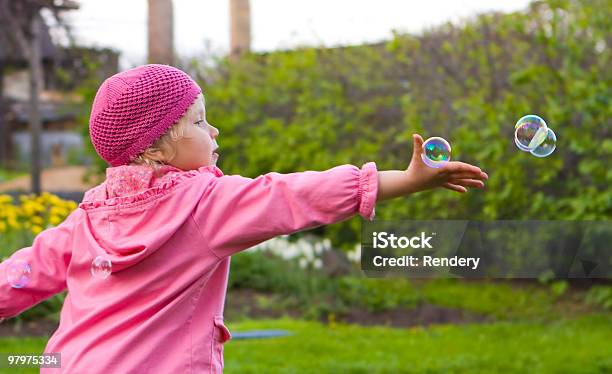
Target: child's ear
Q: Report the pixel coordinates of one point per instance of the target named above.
(155, 153)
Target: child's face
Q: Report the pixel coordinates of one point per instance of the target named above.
(197, 147)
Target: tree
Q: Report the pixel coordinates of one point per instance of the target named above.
(24, 21)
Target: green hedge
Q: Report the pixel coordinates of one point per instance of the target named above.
(315, 108)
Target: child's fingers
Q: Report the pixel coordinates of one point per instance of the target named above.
(470, 175)
(461, 170)
(460, 167)
(475, 183)
(418, 139)
(417, 145)
(455, 187)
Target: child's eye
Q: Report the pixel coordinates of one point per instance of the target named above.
(200, 123)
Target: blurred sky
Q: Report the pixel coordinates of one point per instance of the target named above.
(203, 25)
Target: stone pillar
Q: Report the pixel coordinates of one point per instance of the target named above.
(240, 27)
(160, 32)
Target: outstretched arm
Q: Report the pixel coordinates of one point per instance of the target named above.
(48, 259)
(236, 213)
(455, 175)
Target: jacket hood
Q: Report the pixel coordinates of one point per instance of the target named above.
(137, 209)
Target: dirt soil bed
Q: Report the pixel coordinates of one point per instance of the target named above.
(422, 315)
(243, 303)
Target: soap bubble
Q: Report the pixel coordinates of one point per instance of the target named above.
(530, 131)
(436, 152)
(520, 146)
(547, 146)
(101, 267)
(528, 118)
(18, 273)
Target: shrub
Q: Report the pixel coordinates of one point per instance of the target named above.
(600, 296)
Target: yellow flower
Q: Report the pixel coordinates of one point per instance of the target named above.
(11, 213)
(37, 220)
(54, 200)
(34, 212)
(13, 223)
(5, 199)
(55, 220)
(57, 211)
(28, 208)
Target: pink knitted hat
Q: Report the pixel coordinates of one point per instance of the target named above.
(134, 108)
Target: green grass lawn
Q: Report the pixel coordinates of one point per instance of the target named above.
(578, 345)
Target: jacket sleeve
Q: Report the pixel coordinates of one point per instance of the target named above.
(236, 212)
(48, 260)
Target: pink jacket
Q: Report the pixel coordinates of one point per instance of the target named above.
(169, 237)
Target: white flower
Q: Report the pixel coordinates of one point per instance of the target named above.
(292, 251)
(355, 255)
(309, 253)
(327, 243)
(302, 246)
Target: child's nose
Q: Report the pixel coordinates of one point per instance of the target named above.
(215, 131)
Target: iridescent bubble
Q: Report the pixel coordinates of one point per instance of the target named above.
(18, 273)
(519, 145)
(436, 152)
(547, 146)
(101, 267)
(530, 131)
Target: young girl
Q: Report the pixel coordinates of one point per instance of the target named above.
(145, 257)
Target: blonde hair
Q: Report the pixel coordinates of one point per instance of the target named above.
(166, 143)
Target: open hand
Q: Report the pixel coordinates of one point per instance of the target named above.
(454, 175)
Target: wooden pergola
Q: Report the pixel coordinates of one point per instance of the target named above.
(23, 34)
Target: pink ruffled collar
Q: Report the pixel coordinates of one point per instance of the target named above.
(130, 183)
(128, 180)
